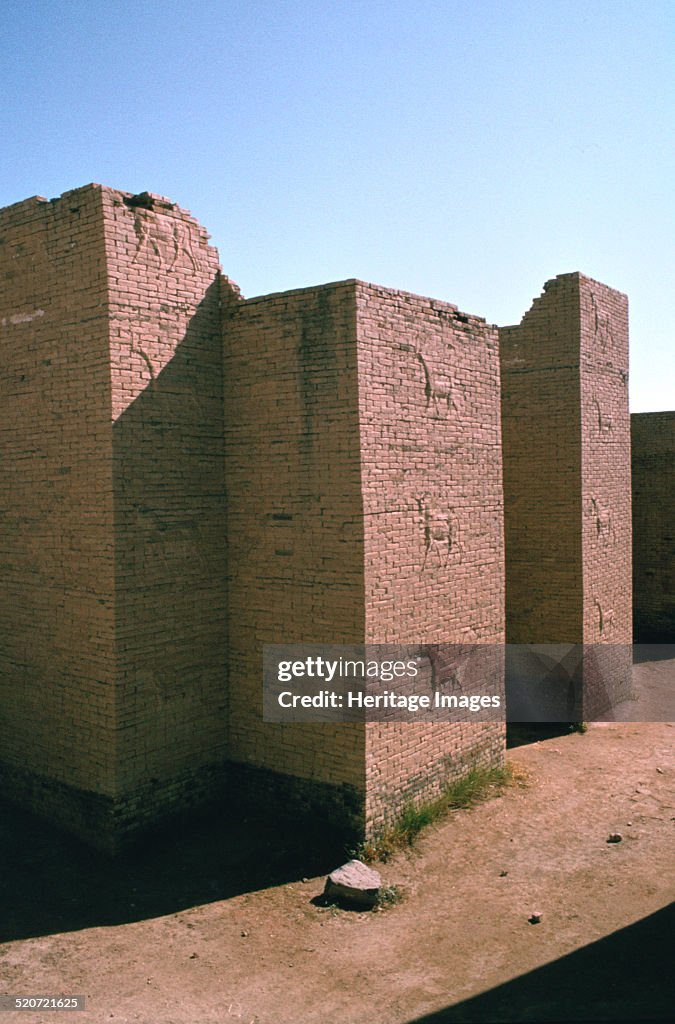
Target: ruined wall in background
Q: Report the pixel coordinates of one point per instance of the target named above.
(567, 481)
(653, 467)
(431, 471)
(541, 434)
(165, 297)
(294, 531)
(606, 496)
(57, 662)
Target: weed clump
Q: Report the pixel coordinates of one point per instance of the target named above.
(476, 786)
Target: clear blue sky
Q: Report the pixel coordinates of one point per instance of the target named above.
(466, 149)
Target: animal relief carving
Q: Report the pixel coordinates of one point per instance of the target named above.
(605, 619)
(182, 244)
(165, 240)
(604, 421)
(435, 360)
(603, 522)
(440, 534)
(602, 326)
(149, 237)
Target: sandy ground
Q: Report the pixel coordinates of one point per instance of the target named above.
(217, 924)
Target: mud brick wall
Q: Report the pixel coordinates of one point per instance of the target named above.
(57, 625)
(566, 450)
(294, 528)
(363, 506)
(431, 475)
(165, 296)
(653, 471)
(112, 653)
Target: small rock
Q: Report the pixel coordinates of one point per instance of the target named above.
(614, 837)
(354, 883)
(660, 771)
(503, 874)
(535, 917)
(194, 956)
(244, 935)
(305, 880)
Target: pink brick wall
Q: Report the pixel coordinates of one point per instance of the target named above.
(430, 438)
(169, 498)
(294, 517)
(567, 479)
(112, 653)
(343, 445)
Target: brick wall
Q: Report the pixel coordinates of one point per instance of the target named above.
(364, 504)
(113, 646)
(567, 480)
(169, 502)
(431, 473)
(294, 526)
(653, 470)
(188, 475)
(57, 662)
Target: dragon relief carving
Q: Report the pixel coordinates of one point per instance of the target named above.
(435, 360)
(602, 326)
(604, 421)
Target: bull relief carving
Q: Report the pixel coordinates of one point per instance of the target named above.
(603, 522)
(149, 238)
(165, 240)
(440, 534)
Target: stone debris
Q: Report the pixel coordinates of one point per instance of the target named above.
(614, 837)
(535, 917)
(354, 883)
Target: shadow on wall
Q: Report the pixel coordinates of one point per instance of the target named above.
(626, 976)
(170, 570)
(50, 882)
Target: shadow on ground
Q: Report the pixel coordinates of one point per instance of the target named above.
(643, 652)
(627, 976)
(50, 882)
(518, 734)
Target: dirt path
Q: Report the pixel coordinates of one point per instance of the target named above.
(460, 939)
(217, 926)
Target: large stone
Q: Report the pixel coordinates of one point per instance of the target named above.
(354, 883)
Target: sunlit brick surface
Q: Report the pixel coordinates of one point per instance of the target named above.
(364, 503)
(187, 475)
(566, 437)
